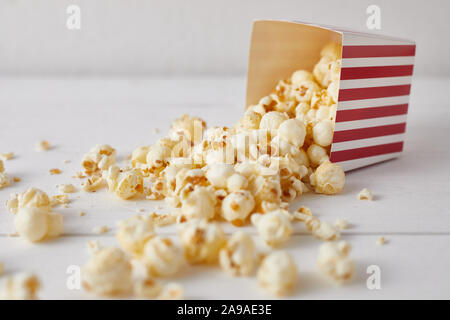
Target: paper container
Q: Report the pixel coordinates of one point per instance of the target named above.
(374, 88)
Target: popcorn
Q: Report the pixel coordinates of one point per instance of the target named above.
(300, 76)
(197, 202)
(99, 158)
(34, 224)
(108, 272)
(188, 127)
(55, 171)
(278, 273)
(341, 224)
(381, 241)
(100, 229)
(147, 288)
(22, 286)
(272, 120)
(237, 206)
(218, 173)
(139, 156)
(237, 258)
(93, 184)
(317, 154)
(158, 156)
(30, 198)
(201, 241)
(171, 291)
(162, 257)
(325, 231)
(62, 199)
(273, 227)
(6, 156)
(329, 178)
(293, 131)
(323, 133)
(251, 120)
(4, 180)
(236, 182)
(333, 261)
(67, 188)
(134, 232)
(125, 184)
(365, 194)
(42, 146)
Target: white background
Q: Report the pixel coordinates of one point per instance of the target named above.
(192, 37)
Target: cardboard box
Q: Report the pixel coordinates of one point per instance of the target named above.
(375, 83)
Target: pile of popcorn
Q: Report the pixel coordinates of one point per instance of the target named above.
(245, 174)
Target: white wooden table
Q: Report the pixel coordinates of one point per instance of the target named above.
(411, 208)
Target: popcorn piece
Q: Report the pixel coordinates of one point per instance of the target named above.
(60, 199)
(108, 272)
(125, 183)
(191, 128)
(237, 258)
(323, 133)
(300, 76)
(218, 174)
(42, 146)
(2, 168)
(4, 180)
(55, 171)
(273, 227)
(171, 291)
(93, 246)
(381, 241)
(34, 224)
(237, 206)
(6, 156)
(292, 131)
(81, 213)
(317, 154)
(333, 261)
(139, 156)
(341, 224)
(33, 198)
(162, 257)
(134, 232)
(16, 179)
(329, 178)
(201, 241)
(198, 203)
(158, 156)
(67, 188)
(278, 273)
(66, 161)
(164, 219)
(100, 229)
(93, 184)
(303, 214)
(272, 120)
(326, 231)
(236, 182)
(22, 286)
(365, 194)
(99, 158)
(147, 288)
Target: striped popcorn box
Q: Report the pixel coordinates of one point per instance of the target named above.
(374, 88)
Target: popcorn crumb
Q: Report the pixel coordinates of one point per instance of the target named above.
(55, 171)
(60, 199)
(155, 130)
(79, 175)
(100, 230)
(6, 156)
(365, 194)
(341, 224)
(140, 210)
(66, 161)
(381, 241)
(42, 146)
(82, 213)
(16, 179)
(93, 184)
(66, 188)
(93, 246)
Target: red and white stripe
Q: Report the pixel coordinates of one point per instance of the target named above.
(373, 99)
